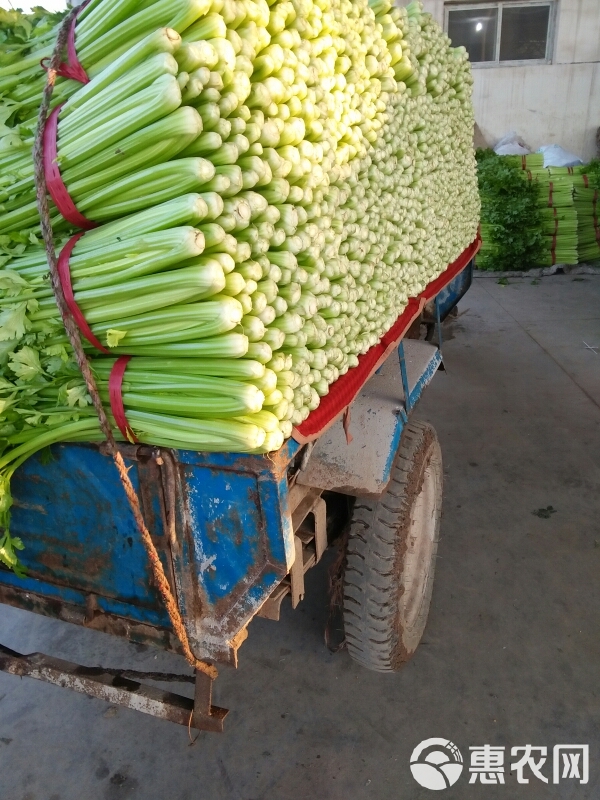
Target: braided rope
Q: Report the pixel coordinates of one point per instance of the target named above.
(83, 363)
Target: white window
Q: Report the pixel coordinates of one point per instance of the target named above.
(503, 32)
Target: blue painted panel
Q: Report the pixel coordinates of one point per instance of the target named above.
(234, 533)
(236, 509)
(401, 420)
(425, 377)
(239, 542)
(414, 395)
(226, 522)
(79, 531)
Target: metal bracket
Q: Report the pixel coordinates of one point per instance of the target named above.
(115, 688)
(405, 386)
(205, 716)
(310, 542)
(438, 323)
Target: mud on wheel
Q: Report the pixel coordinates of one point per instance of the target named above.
(391, 552)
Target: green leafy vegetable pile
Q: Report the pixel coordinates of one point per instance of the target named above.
(511, 218)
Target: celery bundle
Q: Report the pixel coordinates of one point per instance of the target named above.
(533, 162)
(271, 183)
(559, 217)
(588, 217)
(587, 203)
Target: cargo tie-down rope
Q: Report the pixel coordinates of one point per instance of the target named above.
(53, 69)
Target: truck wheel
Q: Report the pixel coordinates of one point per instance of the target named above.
(391, 553)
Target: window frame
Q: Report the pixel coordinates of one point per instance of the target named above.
(500, 5)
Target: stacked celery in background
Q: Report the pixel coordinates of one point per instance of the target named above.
(558, 216)
(273, 183)
(587, 204)
(552, 220)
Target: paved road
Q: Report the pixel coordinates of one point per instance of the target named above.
(510, 656)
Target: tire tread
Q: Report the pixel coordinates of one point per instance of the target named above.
(371, 579)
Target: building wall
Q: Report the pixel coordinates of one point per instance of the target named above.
(557, 103)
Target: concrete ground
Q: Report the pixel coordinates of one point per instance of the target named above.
(510, 656)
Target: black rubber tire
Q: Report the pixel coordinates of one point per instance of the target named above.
(392, 540)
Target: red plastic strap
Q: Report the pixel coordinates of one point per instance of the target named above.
(64, 273)
(58, 191)
(586, 182)
(73, 67)
(115, 385)
(550, 198)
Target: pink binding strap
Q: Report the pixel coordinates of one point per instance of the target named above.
(58, 191)
(115, 385)
(73, 67)
(64, 273)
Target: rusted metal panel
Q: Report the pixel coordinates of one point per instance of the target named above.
(78, 614)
